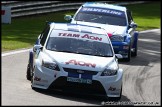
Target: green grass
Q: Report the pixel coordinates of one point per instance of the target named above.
(22, 33)
(147, 16)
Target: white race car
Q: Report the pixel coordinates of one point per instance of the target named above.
(78, 58)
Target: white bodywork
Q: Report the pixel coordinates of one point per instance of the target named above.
(43, 77)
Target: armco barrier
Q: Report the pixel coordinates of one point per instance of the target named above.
(26, 8)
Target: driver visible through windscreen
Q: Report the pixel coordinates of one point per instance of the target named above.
(79, 43)
(100, 15)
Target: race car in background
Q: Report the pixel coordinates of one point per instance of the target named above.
(75, 58)
(116, 20)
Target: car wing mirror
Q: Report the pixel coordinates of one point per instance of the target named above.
(37, 47)
(133, 25)
(68, 17)
(118, 56)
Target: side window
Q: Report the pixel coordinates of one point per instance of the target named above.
(129, 16)
(44, 35)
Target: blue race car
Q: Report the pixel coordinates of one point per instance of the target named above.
(116, 20)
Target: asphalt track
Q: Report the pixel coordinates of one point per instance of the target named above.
(141, 79)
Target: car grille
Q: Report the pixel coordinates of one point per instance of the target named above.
(69, 70)
(61, 83)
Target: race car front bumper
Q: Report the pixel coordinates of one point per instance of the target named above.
(109, 86)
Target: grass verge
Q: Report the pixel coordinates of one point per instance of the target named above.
(23, 31)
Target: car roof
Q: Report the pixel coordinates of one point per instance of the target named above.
(104, 5)
(77, 28)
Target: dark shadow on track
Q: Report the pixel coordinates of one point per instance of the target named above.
(80, 97)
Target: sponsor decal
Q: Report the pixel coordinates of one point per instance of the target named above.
(85, 36)
(39, 79)
(112, 88)
(103, 11)
(81, 63)
(80, 71)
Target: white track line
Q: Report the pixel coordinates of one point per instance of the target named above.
(14, 52)
(20, 51)
(146, 31)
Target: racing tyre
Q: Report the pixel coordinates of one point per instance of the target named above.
(134, 54)
(32, 75)
(129, 55)
(28, 76)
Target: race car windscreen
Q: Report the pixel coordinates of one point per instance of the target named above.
(101, 15)
(72, 42)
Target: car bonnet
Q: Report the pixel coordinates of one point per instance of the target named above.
(79, 61)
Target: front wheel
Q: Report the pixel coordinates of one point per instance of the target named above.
(129, 55)
(28, 74)
(134, 54)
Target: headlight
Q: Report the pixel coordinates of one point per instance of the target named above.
(110, 70)
(50, 65)
(117, 38)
